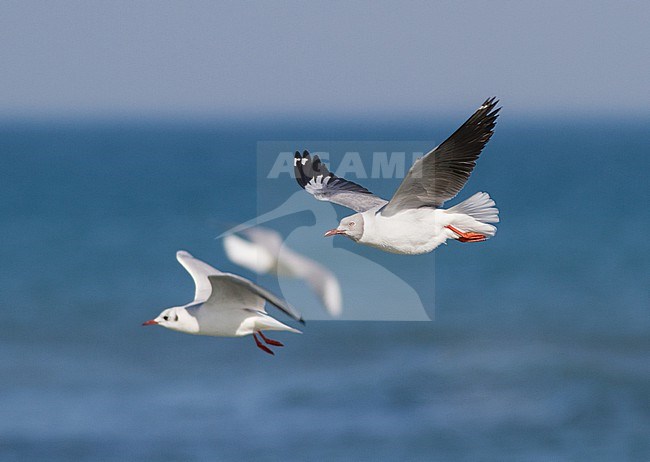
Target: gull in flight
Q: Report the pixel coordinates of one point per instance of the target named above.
(225, 305)
(263, 252)
(413, 222)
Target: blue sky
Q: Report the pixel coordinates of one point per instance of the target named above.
(245, 59)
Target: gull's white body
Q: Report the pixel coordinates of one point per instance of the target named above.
(221, 307)
(220, 321)
(418, 231)
(410, 232)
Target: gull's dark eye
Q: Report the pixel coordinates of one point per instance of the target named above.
(176, 318)
(351, 224)
(166, 318)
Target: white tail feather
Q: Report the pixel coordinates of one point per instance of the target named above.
(479, 210)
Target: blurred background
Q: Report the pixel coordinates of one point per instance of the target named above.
(124, 131)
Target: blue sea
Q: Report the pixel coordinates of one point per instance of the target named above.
(539, 349)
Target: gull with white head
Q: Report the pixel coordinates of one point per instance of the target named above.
(413, 222)
(225, 305)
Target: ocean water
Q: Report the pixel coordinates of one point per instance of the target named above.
(539, 351)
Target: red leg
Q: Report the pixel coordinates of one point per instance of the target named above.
(269, 341)
(467, 237)
(261, 346)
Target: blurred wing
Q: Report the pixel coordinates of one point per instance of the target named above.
(321, 280)
(249, 255)
(232, 291)
(442, 173)
(199, 271)
(314, 177)
(265, 253)
(266, 238)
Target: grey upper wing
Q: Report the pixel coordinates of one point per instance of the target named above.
(442, 173)
(231, 286)
(314, 177)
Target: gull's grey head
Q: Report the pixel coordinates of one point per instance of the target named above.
(351, 227)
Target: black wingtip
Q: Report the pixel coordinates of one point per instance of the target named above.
(481, 124)
(299, 163)
(317, 167)
(307, 167)
(488, 108)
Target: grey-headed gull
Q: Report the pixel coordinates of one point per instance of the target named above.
(263, 252)
(412, 222)
(224, 305)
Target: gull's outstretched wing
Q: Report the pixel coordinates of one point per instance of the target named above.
(199, 271)
(232, 291)
(442, 173)
(314, 177)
